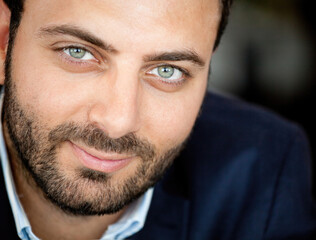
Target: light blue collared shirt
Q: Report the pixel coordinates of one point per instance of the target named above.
(130, 222)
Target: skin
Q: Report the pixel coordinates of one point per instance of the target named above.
(115, 90)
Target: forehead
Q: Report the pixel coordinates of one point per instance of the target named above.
(188, 21)
(154, 9)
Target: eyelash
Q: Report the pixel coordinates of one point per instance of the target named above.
(73, 60)
(180, 81)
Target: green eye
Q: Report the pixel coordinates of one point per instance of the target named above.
(168, 72)
(165, 71)
(77, 52)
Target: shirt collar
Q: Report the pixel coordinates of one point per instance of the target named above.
(130, 222)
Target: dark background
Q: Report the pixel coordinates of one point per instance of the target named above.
(268, 57)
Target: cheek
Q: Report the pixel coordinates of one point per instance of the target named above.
(39, 92)
(41, 87)
(173, 117)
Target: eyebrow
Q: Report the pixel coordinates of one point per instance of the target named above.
(77, 32)
(85, 35)
(185, 55)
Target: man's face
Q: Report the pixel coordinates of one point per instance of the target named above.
(102, 94)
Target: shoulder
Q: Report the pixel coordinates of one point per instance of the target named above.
(229, 124)
(237, 156)
(232, 133)
(231, 112)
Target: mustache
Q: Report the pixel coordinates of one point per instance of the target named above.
(94, 137)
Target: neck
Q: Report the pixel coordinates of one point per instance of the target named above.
(47, 220)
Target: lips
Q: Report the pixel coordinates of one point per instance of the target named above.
(107, 163)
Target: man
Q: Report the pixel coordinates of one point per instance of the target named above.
(100, 97)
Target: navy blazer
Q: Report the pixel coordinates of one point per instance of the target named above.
(244, 175)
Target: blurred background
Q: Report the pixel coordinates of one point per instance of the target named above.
(268, 57)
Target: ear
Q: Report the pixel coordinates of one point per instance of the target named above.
(4, 36)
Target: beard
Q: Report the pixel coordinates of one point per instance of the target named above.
(80, 191)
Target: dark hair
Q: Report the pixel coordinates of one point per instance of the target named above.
(16, 7)
(225, 10)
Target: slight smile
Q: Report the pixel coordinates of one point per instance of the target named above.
(99, 161)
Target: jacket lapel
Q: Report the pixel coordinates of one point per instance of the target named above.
(167, 218)
(168, 214)
(7, 224)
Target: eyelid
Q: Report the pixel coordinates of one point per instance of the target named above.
(87, 55)
(176, 76)
(165, 84)
(71, 64)
(97, 56)
(183, 70)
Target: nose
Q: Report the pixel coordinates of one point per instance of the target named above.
(116, 111)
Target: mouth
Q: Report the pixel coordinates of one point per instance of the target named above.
(99, 161)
